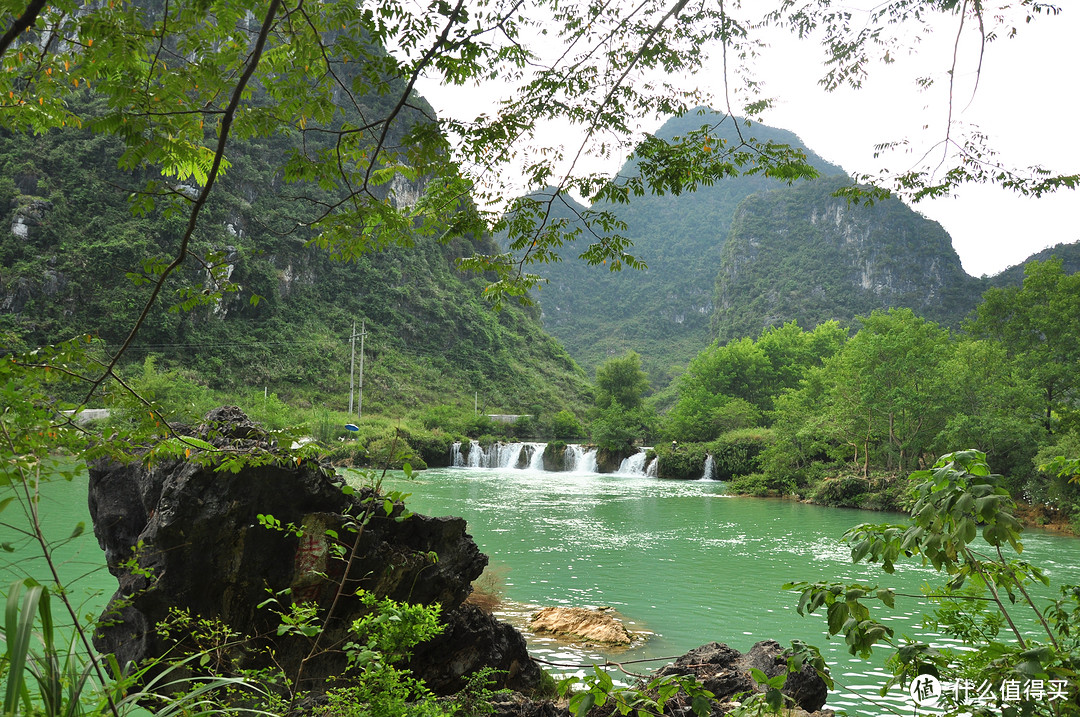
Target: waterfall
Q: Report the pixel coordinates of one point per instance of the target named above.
(511, 456)
(652, 468)
(477, 458)
(633, 465)
(710, 470)
(537, 462)
(506, 455)
(530, 457)
(579, 460)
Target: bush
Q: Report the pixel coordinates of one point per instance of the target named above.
(842, 492)
(738, 453)
(756, 484)
(565, 425)
(525, 427)
(685, 461)
(432, 446)
(393, 452)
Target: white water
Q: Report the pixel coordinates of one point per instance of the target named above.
(580, 459)
(652, 468)
(707, 474)
(530, 456)
(633, 465)
(511, 456)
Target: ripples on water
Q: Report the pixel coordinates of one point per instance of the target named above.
(684, 561)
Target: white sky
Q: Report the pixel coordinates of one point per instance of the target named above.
(1028, 102)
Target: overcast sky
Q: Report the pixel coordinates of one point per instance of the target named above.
(1027, 103)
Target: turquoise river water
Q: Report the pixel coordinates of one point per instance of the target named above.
(684, 561)
(680, 559)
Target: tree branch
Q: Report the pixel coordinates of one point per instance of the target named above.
(21, 24)
(204, 195)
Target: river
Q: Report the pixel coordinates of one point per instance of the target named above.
(685, 561)
(680, 559)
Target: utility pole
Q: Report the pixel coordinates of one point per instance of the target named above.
(360, 402)
(352, 362)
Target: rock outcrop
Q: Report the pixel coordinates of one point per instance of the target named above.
(725, 672)
(182, 534)
(722, 670)
(598, 626)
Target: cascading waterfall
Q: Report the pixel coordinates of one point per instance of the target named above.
(580, 460)
(537, 462)
(710, 469)
(530, 457)
(477, 457)
(519, 456)
(633, 465)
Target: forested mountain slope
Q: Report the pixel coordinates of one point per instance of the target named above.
(1069, 254)
(662, 312)
(750, 252)
(802, 253)
(72, 256)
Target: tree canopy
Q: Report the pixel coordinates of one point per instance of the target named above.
(179, 81)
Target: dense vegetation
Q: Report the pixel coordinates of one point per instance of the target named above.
(806, 254)
(662, 312)
(87, 263)
(745, 253)
(184, 96)
(847, 416)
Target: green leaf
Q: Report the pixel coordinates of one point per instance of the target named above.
(837, 616)
(581, 703)
(701, 706)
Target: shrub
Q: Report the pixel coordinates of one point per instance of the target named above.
(565, 424)
(756, 484)
(738, 453)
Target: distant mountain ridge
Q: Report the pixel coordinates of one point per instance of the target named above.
(803, 253)
(750, 252)
(663, 312)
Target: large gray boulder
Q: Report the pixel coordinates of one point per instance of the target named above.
(180, 534)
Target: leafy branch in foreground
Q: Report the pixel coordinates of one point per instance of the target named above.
(1008, 638)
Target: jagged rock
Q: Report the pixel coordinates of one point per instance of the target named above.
(474, 639)
(197, 543)
(31, 214)
(599, 625)
(608, 461)
(725, 672)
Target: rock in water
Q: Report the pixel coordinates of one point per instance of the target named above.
(198, 544)
(725, 672)
(582, 623)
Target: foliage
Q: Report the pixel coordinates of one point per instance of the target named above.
(737, 453)
(802, 253)
(198, 107)
(616, 428)
(735, 385)
(950, 503)
(649, 699)
(621, 382)
(1038, 324)
(565, 424)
